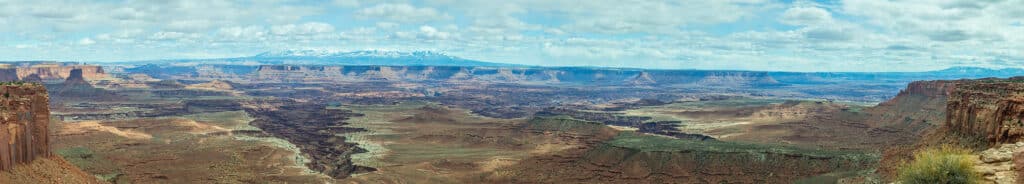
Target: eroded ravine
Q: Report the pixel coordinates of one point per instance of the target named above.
(314, 129)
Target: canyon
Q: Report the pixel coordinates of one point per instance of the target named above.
(500, 124)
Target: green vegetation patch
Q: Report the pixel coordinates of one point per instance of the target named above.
(80, 156)
(944, 164)
(17, 83)
(87, 160)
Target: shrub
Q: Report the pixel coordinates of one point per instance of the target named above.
(944, 164)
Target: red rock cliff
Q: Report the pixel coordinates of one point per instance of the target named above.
(59, 72)
(24, 118)
(991, 109)
(920, 106)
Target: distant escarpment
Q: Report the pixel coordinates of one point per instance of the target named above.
(919, 107)
(24, 121)
(511, 74)
(990, 109)
(48, 72)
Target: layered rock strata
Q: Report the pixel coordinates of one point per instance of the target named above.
(24, 121)
(60, 72)
(989, 109)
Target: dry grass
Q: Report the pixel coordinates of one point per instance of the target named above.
(943, 164)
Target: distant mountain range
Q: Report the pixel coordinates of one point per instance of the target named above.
(329, 57)
(977, 72)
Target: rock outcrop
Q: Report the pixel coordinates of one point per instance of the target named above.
(997, 165)
(24, 121)
(75, 77)
(991, 109)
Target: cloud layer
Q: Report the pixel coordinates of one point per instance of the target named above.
(843, 35)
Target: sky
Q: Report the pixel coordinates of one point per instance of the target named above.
(841, 35)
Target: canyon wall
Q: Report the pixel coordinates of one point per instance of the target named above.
(991, 109)
(922, 105)
(24, 118)
(8, 73)
(59, 72)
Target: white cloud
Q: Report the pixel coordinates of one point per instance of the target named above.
(433, 34)
(302, 29)
(618, 17)
(86, 41)
(806, 16)
(401, 13)
(346, 3)
(242, 33)
(386, 25)
(179, 16)
(189, 25)
(165, 35)
(944, 21)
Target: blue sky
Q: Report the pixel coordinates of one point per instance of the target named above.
(842, 35)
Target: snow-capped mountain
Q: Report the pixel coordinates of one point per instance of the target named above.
(362, 53)
(365, 57)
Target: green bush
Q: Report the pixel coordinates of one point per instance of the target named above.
(941, 165)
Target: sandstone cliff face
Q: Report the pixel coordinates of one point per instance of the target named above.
(988, 109)
(61, 72)
(24, 118)
(920, 106)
